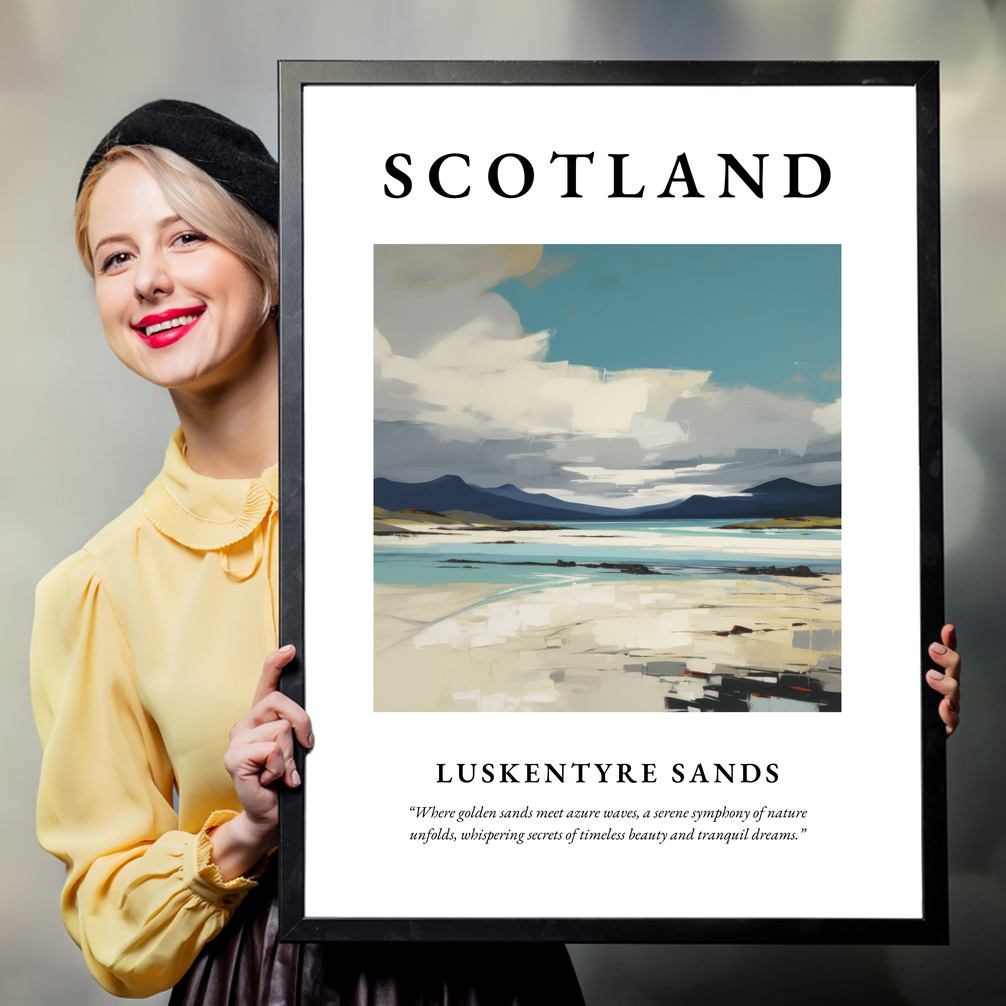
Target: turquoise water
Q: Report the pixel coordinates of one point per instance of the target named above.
(425, 565)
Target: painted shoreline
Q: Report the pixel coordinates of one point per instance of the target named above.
(774, 545)
(628, 645)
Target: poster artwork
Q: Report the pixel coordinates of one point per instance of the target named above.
(607, 478)
(646, 442)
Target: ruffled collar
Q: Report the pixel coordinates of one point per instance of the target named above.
(203, 513)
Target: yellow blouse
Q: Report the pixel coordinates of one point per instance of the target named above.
(147, 647)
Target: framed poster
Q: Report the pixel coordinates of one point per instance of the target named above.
(654, 442)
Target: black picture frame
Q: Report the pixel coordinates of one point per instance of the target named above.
(932, 925)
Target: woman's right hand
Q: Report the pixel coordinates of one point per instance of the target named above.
(260, 753)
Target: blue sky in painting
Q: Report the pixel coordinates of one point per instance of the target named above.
(763, 315)
(585, 374)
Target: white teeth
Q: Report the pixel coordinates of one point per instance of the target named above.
(173, 323)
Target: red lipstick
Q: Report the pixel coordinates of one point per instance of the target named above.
(166, 327)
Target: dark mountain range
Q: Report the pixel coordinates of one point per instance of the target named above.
(779, 498)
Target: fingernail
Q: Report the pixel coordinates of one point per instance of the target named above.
(938, 648)
(310, 740)
(295, 777)
(287, 649)
(936, 675)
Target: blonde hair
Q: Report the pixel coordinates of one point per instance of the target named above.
(199, 200)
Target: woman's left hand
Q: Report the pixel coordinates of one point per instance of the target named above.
(947, 682)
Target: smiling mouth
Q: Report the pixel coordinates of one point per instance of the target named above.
(185, 319)
(167, 321)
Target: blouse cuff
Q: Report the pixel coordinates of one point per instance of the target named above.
(202, 876)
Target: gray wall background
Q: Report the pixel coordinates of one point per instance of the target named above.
(82, 436)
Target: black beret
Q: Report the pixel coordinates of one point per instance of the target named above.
(230, 154)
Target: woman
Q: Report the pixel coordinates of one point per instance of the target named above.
(149, 642)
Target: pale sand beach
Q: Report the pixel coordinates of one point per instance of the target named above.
(637, 644)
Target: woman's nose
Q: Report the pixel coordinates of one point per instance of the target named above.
(152, 277)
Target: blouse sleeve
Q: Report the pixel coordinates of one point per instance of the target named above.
(141, 898)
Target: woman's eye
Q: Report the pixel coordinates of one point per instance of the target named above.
(190, 238)
(114, 261)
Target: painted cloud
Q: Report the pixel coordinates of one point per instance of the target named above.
(462, 388)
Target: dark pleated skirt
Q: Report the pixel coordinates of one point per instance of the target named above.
(246, 965)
